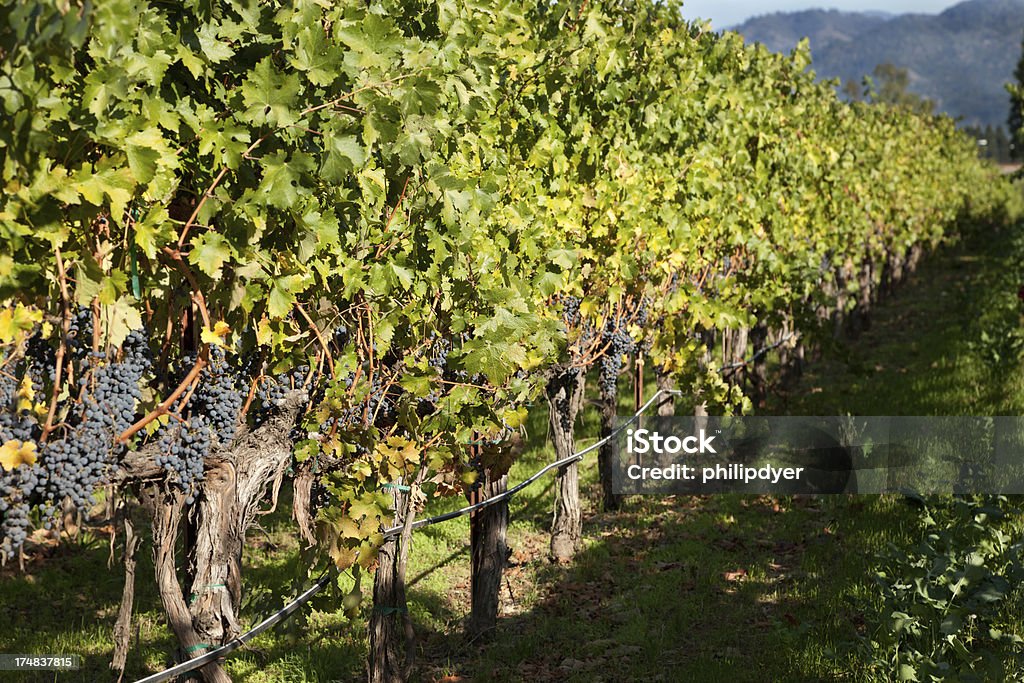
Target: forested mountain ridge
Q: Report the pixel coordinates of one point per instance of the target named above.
(960, 58)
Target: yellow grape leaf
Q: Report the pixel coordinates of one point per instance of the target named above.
(15, 453)
(26, 394)
(264, 335)
(343, 557)
(216, 336)
(17, 321)
(368, 551)
(398, 452)
(10, 455)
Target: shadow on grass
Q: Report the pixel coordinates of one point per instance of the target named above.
(698, 589)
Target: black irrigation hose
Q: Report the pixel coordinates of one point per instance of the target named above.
(325, 578)
(239, 641)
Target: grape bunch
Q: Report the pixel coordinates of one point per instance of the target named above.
(571, 310)
(439, 350)
(437, 358)
(113, 389)
(15, 522)
(219, 396)
(643, 312)
(270, 391)
(340, 336)
(80, 334)
(78, 457)
(211, 412)
(40, 362)
(17, 491)
(562, 388)
(617, 343)
(379, 406)
(78, 462)
(183, 449)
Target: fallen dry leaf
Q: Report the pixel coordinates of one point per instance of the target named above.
(737, 575)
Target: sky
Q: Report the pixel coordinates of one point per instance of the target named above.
(724, 13)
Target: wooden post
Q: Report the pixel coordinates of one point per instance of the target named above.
(638, 382)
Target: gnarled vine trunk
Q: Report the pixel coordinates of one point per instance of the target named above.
(165, 510)
(666, 402)
(122, 627)
(861, 320)
(565, 397)
(236, 482)
(488, 555)
(606, 454)
(392, 638)
(758, 374)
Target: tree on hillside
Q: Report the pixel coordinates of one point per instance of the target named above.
(890, 84)
(1016, 119)
(853, 90)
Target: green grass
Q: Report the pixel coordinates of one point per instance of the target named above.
(722, 588)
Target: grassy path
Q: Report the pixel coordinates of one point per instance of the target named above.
(723, 588)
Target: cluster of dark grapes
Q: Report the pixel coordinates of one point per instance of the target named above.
(566, 383)
(15, 522)
(319, 496)
(211, 413)
(643, 319)
(674, 282)
(617, 343)
(379, 406)
(439, 350)
(366, 407)
(270, 391)
(40, 362)
(376, 406)
(643, 312)
(571, 310)
(77, 463)
(113, 389)
(437, 358)
(80, 334)
(19, 484)
(183, 450)
(340, 336)
(219, 396)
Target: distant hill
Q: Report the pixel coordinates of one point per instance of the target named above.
(960, 58)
